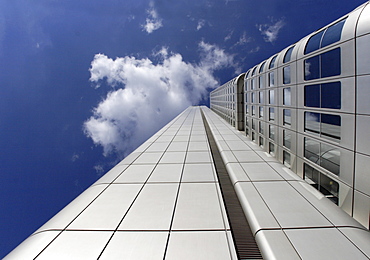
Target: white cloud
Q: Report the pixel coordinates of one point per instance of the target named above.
(150, 94)
(200, 25)
(228, 37)
(270, 32)
(153, 22)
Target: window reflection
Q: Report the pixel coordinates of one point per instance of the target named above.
(271, 113)
(287, 97)
(261, 112)
(287, 139)
(271, 96)
(288, 54)
(286, 75)
(287, 117)
(272, 132)
(324, 65)
(272, 149)
(286, 159)
(271, 79)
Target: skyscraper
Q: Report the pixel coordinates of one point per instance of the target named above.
(261, 177)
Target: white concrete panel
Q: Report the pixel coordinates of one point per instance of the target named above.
(289, 208)
(177, 147)
(32, 246)
(108, 209)
(198, 157)
(228, 157)
(260, 172)
(327, 243)
(148, 158)
(363, 93)
(112, 174)
(76, 245)
(361, 210)
(198, 138)
(166, 173)
(135, 173)
(362, 134)
(362, 174)
(258, 214)
(181, 138)
(198, 146)
(363, 26)
(153, 208)
(360, 238)
(66, 215)
(130, 158)
(173, 157)
(238, 146)
(231, 137)
(275, 245)
(136, 245)
(284, 172)
(198, 208)
(247, 156)
(198, 173)
(157, 147)
(236, 172)
(198, 245)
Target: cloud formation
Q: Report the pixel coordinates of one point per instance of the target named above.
(149, 94)
(201, 23)
(153, 22)
(270, 32)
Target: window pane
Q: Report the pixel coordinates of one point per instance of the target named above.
(330, 63)
(253, 110)
(286, 159)
(260, 111)
(311, 175)
(271, 79)
(272, 132)
(253, 97)
(288, 54)
(312, 68)
(287, 139)
(254, 71)
(271, 114)
(261, 141)
(272, 63)
(313, 43)
(260, 127)
(287, 97)
(312, 96)
(253, 83)
(286, 75)
(331, 95)
(271, 97)
(261, 68)
(312, 150)
(261, 83)
(261, 97)
(330, 158)
(287, 117)
(330, 125)
(253, 124)
(272, 149)
(329, 188)
(332, 34)
(312, 122)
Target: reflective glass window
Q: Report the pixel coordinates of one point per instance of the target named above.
(286, 75)
(272, 149)
(312, 96)
(330, 63)
(253, 97)
(331, 95)
(330, 125)
(261, 111)
(312, 68)
(271, 114)
(261, 83)
(261, 68)
(287, 97)
(253, 124)
(253, 110)
(254, 71)
(286, 159)
(288, 54)
(287, 117)
(271, 79)
(253, 136)
(287, 139)
(313, 43)
(330, 158)
(260, 127)
(261, 141)
(261, 97)
(272, 132)
(271, 96)
(332, 34)
(272, 63)
(253, 83)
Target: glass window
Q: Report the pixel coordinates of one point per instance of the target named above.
(287, 139)
(272, 132)
(272, 63)
(253, 83)
(287, 97)
(330, 63)
(330, 125)
(253, 97)
(287, 117)
(286, 159)
(312, 96)
(253, 124)
(312, 68)
(271, 113)
(313, 43)
(247, 75)
(332, 34)
(261, 97)
(254, 71)
(261, 83)
(261, 68)
(286, 75)
(271, 96)
(272, 149)
(260, 127)
(253, 110)
(271, 79)
(261, 111)
(288, 54)
(323, 183)
(253, 136)
(261, 141)
(331, 95)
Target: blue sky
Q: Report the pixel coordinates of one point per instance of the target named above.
(84, 82)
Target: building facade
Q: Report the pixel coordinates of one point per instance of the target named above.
(308, 106)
